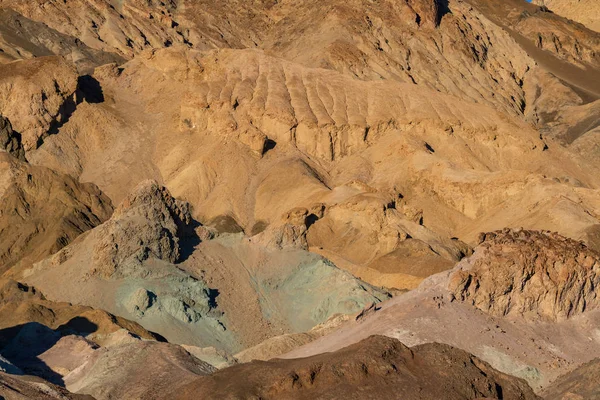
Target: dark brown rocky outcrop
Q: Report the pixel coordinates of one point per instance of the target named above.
(27, 387)
(580, 384)
(376, 368)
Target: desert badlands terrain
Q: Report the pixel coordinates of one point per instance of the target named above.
(315, 199)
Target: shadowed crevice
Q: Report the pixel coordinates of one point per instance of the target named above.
(443, 9)
(269, 145)
(89, 89)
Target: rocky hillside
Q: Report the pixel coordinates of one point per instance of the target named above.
(143, 264)
(517, 303)
(376, 368)
(42, 211)
(12, 387)
(578, 384)
(198, 184)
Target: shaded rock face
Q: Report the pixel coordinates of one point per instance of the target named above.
(85, 350)
(37, 96)
(544, 29)
(148, 223)
(428, 12)
(531, 274)
(8, 367)
(583, 11)
(21, 305)
(10, 140)
(124, 28)
(50, 339)
(376, 368)
(22, 38)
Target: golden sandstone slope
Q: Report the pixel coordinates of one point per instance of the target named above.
(583, 11)
(278, 163)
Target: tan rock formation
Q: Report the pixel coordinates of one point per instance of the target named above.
(289, 233)
(458, 163)
(37, 96)
(10, 141)
(529, 274)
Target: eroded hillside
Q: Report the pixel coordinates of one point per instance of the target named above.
(283, 178)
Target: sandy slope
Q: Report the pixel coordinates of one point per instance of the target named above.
(42, 211)
(586, 12)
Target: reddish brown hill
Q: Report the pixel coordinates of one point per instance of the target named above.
(376, 368)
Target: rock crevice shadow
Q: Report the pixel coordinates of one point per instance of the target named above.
(442, 9)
